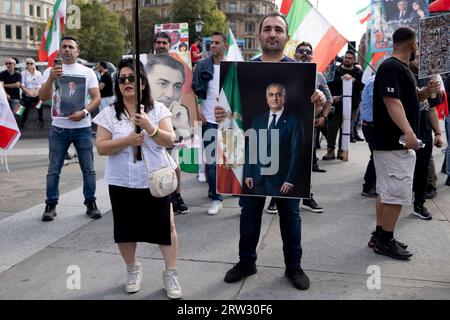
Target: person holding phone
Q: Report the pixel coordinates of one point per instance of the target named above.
(76, 128)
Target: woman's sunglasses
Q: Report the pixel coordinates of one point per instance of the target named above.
(123, 79)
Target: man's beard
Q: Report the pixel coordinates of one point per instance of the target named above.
(412, 57)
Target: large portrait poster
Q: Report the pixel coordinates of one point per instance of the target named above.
(179, 34)
(389, 15)
(258, 154)
(434, 46)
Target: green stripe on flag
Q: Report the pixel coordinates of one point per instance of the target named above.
(364, 10)
(231, 91)
(48, 41)
(297, 13)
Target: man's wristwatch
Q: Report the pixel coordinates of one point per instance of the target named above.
(86, 112)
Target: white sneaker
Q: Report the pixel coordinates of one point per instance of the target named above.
(201, 177)
(134, 278)
(171, 284)
(215, 207)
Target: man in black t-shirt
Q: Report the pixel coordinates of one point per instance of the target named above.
(105, 86)
(11, 82)
(395, 115)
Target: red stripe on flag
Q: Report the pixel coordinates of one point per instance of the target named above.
(365, 18)
(327, 49)
(7, 135)
(226, 181)
(286, 6)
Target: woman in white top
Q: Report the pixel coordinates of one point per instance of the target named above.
(138, 216)
(31, 83)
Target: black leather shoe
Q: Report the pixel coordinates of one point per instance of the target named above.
(92, 210)
(272, 208)
(316, 168)
(240, 271)
(298, 277)
(49, 213)
(391, 249)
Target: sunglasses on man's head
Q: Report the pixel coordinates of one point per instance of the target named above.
(302, 51)
(123, 79)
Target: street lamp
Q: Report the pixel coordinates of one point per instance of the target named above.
(199, 24)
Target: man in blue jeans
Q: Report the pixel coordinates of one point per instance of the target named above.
(76, 128)
(273, 35)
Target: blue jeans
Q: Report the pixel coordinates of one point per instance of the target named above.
(211, 161)
(59, 141)
(290, 227)
(447, 133)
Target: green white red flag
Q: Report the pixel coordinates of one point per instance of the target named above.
(233, 53)
(364, 14)
(49, 48)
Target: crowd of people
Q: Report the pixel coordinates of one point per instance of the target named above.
(396, 112)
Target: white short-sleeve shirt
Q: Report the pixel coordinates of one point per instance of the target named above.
(31, 81)
(121, 170)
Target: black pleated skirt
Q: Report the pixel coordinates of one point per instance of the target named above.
(139, 217)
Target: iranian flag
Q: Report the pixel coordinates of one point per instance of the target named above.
(231, 142)
(364, 14)
(49, 48)
(9, 131)
(307, 24)
(233, 53)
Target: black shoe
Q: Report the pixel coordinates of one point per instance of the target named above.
(298, 277)
(49, 213)
(340, 155)
(181, 206)
(422, 212)
(316, 168)
(448, 181)
(272, 208)
(240, 271)
(430, 194)
(358, 138)
(92, 210)
(370, 193)
(352, 140)
(376, 235)
(391, 249)
(311, 205)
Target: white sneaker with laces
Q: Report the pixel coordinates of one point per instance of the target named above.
(201, 177)
(134, 277)
(171, 284)
(215, 207)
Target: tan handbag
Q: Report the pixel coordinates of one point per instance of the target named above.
(162, 182)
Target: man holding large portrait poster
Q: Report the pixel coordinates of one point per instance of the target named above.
(273, 35)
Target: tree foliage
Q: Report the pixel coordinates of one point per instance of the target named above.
(189, 10)
(100, 36)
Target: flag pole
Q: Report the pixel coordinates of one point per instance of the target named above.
(362, 57)
(137, 82)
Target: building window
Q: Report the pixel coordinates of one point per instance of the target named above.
(233, 26)
(17, 9)
(8, 33)
(249, 43)
(264, 9)
(250, 27)
(7, 6)
(114, 7)
(38, 11)
(32, 35)
(48, 13)
(18, 32)
(31, 10)
(232, 6)
(250, 10)
(123, 4)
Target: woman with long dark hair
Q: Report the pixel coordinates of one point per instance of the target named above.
(138, 216)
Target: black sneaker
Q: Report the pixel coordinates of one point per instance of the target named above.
(311, 205)
(272, 208)
(181, 206)
(376, 235)
(391, 249)
(240, 271)
(421, 212)
(358, 138)
(316, 168)
(298, 277)
(430, 194)
(92, 210)
(370, 193)
(49, 212)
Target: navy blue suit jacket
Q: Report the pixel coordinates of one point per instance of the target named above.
(290, 137)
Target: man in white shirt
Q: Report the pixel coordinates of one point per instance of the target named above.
(210, 94)
(75, 128)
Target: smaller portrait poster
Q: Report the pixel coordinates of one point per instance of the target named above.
(179, 34)
(70, 97)
(265, 145)
(434, 46)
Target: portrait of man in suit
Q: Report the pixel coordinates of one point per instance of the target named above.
(72, 95)
(272, 159)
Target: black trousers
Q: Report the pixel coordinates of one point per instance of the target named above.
(423, 157)
(370, 177)
(29, 104)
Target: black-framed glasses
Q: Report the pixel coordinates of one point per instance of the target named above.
(123, 79)
(28, 63)
(302, 51)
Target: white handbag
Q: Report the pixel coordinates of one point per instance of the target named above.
(162, 182)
